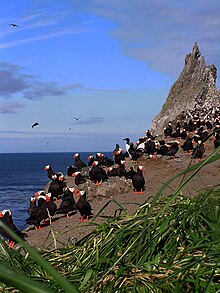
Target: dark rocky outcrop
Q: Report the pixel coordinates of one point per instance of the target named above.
(194, 89)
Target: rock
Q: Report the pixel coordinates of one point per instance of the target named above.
(194, 89)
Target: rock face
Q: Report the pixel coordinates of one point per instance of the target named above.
(194, 89)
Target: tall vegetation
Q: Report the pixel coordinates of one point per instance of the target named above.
(171, 244)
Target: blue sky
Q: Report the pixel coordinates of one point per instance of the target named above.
(110, 62)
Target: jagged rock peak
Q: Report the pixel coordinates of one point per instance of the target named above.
(195, 88)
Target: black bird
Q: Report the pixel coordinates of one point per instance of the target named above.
(217, 140)
(14, 24)
(91, 159)
(121, 170)
(199, 151)
(131, 173)
(119, 156)
(68, 203)
(77, 119)
(187, 145)
(6, 218)
(71, 170)
(173, 149)
(138, 181)
(79, 178)
(83, 207)
(78, 162)
(35, 124)
(56, 187)
(97, 174)
(50, 173)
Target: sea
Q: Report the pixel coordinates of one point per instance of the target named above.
(23, 174)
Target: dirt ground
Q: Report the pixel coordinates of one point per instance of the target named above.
(158, 170)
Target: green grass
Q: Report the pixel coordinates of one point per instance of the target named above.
(171, 244)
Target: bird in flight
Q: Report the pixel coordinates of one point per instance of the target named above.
(35, 124)
(77, 119)
(14, 24)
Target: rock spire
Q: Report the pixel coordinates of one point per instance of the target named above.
(194, 89)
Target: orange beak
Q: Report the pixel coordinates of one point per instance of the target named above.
(75, 191)
(73, 175)
(36, 194)
(1, 215)
(78, 194)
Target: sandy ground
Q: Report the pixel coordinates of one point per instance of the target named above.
(157, 171)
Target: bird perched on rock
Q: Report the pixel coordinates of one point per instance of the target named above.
(138, 181)
(217, 140)
(70, 170)
(6, 218)
(83, 207)
(50, 172)
(78, 162)
(68, 203)
(56, 187)
(199, 151)
(79, 178)
(97, 174)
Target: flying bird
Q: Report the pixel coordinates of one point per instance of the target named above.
(14, 24)
(77, 119)
(35, 124)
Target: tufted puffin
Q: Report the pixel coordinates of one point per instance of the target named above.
(78, 162)
(138, 181)
(70, 170)
(199, 151)
(91, 159)
(97, 174)
(6, 218)
(56, 187)
(83, 207)
(50, 172)
(68, 203)
(217, 140)
(79, 178)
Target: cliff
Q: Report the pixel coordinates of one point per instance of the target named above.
(194, 89)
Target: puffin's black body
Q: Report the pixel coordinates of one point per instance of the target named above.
(131, 173)
(138, 181)
(97, 174)
(78, 162)
(6, 218)
(84, 207)
(187, 145)
(56, 188)
(217, 140)
(68, 203)
(135, 153)
(79, 178)
(50, 172)
(198, 151)
(71, 170)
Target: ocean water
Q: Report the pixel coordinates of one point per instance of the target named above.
(23, 174)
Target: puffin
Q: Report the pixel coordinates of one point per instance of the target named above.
(46, 209)
(119, 156)
(199, 151)
(131, 173)
(91, 159)
(120, 171)
(6, 218)
(50, 172)
(68, 203)
(187, 146)
(33, 206)
(112, 172)
(173, 149)
(97, 174)
(168, 130)
(150, 147)
(70, 170)
(56, 187)
(138, 181)
(78, 162)
(216, 140)
(79, 178)
(83, 206)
